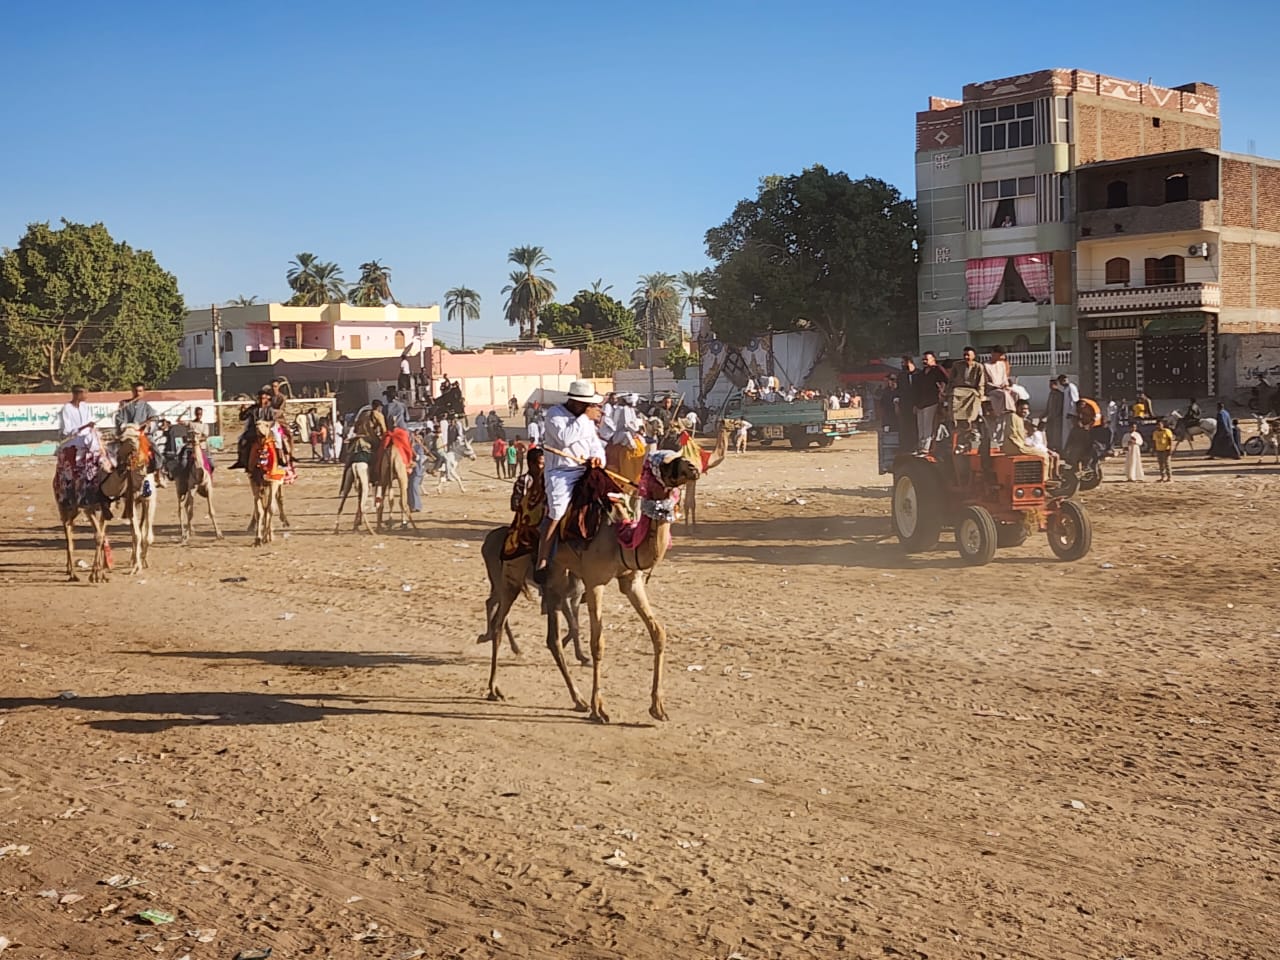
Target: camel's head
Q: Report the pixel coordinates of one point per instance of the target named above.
(676, 472)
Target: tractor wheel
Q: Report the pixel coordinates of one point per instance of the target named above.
(1093, 479)
(1070, 532)
(976, 536)
(917, 507)
(1011, 534)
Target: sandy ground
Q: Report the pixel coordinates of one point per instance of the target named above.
(869, 755)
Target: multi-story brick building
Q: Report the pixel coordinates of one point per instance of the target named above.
(1178, 273)
(994, 185)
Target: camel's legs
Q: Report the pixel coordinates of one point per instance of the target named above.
(572, 618)
(595, 599)
(691, 504)
(633, 586)
(279, 495)
(208, 502)
(68, 527)
(402, 484)
(557, 651)
(98, 573)
(498, 608)
(344, 491)
(186, 513)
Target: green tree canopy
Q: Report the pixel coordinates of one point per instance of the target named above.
(373, 289)
(315, 282)
(604, 360)
(657, 304)
(462, 304)
(529, 291)
(591, 315)
(77, 306)
(818, 250)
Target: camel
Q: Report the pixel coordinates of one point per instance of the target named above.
(507, 581)
(604, 559)
(266, 477)
(452, 457)
(391, 468)
(690, 498)
(190, 478)
(355, 475)
(96, 513)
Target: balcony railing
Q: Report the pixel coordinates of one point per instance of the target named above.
(1034, 358)
(1163, 296)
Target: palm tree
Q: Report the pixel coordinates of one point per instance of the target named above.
(373, 289)
(462, 304)
(599, 286)
(693, 283)
(301, 277)
(330, 286)
(528, 291)
(656, 302)
(242, 301)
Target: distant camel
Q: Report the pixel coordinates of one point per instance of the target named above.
(391, 470)
(266, 477)
(508, 579)
(604, 559)
(191, 478)
(355, 475)
(95, 511)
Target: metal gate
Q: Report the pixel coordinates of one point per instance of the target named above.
(1176, 367)
(1117, 370)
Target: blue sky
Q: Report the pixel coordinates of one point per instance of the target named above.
(228, 136)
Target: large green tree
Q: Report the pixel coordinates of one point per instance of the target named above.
(818, 250)
(529, 290)
(373, 289)
(77, 306)
(462, 304)
(591, 315)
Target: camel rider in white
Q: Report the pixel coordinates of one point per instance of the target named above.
(75, 422)
(571, 428)
(627, 423)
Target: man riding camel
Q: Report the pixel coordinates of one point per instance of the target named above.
(264, 411)
(571, 429)
(80, 455)
(529, 504)
(137, 410)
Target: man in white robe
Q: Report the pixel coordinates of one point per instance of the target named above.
(571, 428)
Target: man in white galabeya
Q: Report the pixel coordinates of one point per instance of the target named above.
(570, 429)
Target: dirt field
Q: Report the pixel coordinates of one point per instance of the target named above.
(868, 755)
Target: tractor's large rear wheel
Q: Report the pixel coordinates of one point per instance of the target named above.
(1070, 532)
(976, 536)
(917, 506)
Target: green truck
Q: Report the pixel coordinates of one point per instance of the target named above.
(802, 422)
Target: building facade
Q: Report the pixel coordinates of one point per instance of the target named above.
(269, 332)
(1178, 273)
(995, 189)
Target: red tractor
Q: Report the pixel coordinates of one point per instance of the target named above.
(990, 499)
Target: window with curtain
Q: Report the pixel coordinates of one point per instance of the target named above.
(1118, 270)
(1009, 203)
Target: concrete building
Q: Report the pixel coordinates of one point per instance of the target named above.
(1178, 274)
(269, 332)
(995, 177)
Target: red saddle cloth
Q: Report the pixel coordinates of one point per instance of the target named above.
(589, 507)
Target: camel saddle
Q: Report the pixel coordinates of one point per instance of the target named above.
(590, 507)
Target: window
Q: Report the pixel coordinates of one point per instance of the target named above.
(355, 341)
(941, 161)
(1006, 128)
(1118, 270)
(1175, 188)
(1064, 197)
(199, 339)
(1117, 194)
(1168, 269)
(943, 326)
(1013, 289)
(228, 343)
(399, 339)
(1155, 122)
(291, 343)
(941, 254)
(1062, 131)
(1007, 203)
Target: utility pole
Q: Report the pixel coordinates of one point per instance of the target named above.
(217, 352)
(648, 318)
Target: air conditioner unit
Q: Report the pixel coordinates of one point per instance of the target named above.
(1198, 250)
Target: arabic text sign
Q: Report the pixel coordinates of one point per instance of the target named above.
(43, 417)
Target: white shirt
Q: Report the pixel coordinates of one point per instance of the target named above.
(626, 425)
(575, 435)
(535, 432)
(404, 366)
(1036, 440)
(1019, 391)
(743, 427)
(70, 420)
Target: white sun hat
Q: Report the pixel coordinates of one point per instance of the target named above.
(584, 391)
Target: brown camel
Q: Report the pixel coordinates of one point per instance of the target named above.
(508, 580)
(191, 478)
(690, 499)
(96, 514)
(355, 475)
(596, 563)
(266, 477)
(390, 469)
(136, 488)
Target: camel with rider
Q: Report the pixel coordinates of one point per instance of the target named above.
(192, 477)
(266, 480)
(355, 477)
(608, 556)
(390, 473)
